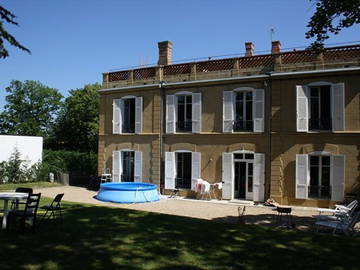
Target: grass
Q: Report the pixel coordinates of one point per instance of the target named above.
(94, 237)
(41, 184)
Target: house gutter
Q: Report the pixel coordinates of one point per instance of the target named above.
(239, 78)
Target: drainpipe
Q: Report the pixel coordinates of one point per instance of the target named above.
(162, 85)
(268, 85)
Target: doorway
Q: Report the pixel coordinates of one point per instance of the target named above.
(243, 184)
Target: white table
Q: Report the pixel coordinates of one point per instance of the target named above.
(9, 196)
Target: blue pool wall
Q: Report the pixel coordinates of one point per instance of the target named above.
(128, 192)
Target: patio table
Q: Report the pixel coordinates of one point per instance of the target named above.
(9, 196)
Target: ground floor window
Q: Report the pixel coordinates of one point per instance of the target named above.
(183, 170)
(319, 177)
(127, 158)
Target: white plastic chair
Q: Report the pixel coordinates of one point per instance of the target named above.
(343, 224)
(340, 210)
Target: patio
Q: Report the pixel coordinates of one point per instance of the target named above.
(222, 211)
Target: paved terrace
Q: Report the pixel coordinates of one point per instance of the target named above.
(222, 211)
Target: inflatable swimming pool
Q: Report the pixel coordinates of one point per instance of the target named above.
(128, 192)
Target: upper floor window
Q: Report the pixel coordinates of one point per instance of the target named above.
(183, 112)
(127, 115)
(243, 110)
(181, 168)
(320, 176)
(320, 107)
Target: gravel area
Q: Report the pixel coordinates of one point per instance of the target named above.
(223, 211)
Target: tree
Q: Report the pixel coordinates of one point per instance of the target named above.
(77, 124)
(30, 110)
(332, 16)
(8, 17)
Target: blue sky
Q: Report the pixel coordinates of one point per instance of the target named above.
(74, 41)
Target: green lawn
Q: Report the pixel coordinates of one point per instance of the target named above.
(94, 237)
(30, 184)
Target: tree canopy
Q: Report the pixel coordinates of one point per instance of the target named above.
(77, 124)
(30, 110)
(331, 16)
(7, 17)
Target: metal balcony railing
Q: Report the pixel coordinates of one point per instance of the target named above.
(320, 123)
(319, 192)
(184, 126)
(243, 125)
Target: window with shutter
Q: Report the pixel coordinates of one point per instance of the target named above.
(116, 166)
(302, 177)
(138, 167)
(170, 114)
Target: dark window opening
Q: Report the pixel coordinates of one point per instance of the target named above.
(243, 111)
(320, 108)
(320, 177)
(129, 115)
(184, 113)
(128, 158)
(183, 170)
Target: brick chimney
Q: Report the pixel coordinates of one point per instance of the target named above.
(275, 47)
(165, 53)
(249, 49)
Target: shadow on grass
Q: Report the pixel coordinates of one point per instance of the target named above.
(94, 237)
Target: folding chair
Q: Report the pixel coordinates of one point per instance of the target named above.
(53, 208)
(15, 204)
(27, 215)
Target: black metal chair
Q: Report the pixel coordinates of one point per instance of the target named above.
(27, 215)
(16, 203)
(53, 208)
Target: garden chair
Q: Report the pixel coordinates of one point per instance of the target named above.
(339, 212)
(53, 209)
(28, 214)
(16, 203)
(343, 224)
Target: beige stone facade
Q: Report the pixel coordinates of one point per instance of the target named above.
(279, 147)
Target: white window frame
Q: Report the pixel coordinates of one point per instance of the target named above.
(171, 167)
(258, 109)
(337, 176)
(118, 114)
(138, 160)
(172, 111)
(337, 106)
(228, 175)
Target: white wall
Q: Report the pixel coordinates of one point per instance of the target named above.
(30, 147)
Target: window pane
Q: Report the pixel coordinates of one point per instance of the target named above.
(129, 115)
(127, 166)
(325, 176)
(325, 160)
(249, 156)
(314, 160)
(238, 156)
(183, 172)
(314, 176)
(250, 177)
(325, 107)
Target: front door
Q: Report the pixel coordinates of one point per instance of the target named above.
(243, 182)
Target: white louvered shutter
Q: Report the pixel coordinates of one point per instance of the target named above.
(117, 116)
(138, 114)
(117, 168)
(195, 168)
(170, 170)
(170, 114)
(337, 177)
(338, 107)
(302, 113)
(259, 177)
(302, 176)
(258, 110)
(228, 111)
(196, 112)
(228, 176)
(138, 166)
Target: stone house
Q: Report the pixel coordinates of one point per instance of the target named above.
(283, 125)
